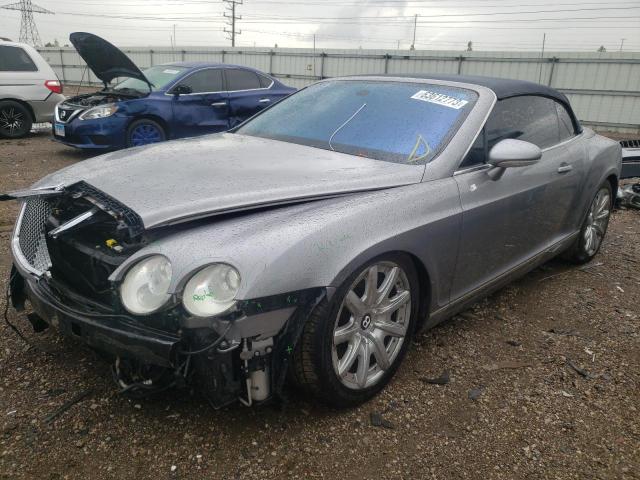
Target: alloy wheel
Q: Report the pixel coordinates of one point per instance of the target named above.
(11, 121)
(371, 325)
(144, 134)
(597, 221)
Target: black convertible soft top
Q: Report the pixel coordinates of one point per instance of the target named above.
(502, 87)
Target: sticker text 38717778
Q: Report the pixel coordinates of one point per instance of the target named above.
(439, 99)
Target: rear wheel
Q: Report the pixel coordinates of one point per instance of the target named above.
(144, 132)
(15, 119)
(352, 345)
(594, 228)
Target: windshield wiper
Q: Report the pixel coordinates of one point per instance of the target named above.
(344, 125)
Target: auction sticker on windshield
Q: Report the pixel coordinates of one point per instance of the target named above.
(439, 99)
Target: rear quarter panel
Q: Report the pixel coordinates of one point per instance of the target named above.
(603, 160)
(27, 86)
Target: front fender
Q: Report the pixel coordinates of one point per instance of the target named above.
(317, 244)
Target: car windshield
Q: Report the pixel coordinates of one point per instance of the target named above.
(392, 121)
(160, 76)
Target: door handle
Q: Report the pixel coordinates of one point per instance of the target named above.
(219, 104)
(264, 100)
(565, 168)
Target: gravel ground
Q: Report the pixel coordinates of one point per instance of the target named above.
(544, 382)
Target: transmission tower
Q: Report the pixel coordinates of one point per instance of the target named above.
(231, 20)
(28, 30)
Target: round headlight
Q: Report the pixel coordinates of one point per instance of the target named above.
(212, 290)
(146, 285)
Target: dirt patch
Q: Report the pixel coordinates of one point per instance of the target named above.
(543, 381)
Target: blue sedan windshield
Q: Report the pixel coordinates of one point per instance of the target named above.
(160, 76)
(396, 122)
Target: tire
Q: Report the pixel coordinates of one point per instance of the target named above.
(594, 228)
(317, 361)
(15, 119)
(144, 132)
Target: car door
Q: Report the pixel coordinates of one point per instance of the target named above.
(569, 175)
(509, 220)
(204, 109)
(249, 92)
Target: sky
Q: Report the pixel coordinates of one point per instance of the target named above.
(491, 25)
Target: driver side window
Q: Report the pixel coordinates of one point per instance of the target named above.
(204, 81)
(530, 118)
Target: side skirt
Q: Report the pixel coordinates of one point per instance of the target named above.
(504, 279)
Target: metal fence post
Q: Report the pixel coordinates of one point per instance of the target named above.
(322, 55)
(386, 62)
(553, 61)
(151, 57)
(271, 54)
(64, 80)
(182, 55)
(223, 52)
(460, 60)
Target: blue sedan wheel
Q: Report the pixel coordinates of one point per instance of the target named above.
(144, 132)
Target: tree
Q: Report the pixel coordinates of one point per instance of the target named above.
(470, 46)
(602, 49)
(54, 44)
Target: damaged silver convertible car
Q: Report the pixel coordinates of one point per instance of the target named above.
(310, 242)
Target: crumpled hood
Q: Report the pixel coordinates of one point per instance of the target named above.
(180, 180)
(105, 60)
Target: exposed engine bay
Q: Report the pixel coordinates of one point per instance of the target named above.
(104, 96)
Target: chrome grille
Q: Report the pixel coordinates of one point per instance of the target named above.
(31, 234)
(64, 114)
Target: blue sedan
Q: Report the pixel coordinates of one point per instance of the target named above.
(175, 100)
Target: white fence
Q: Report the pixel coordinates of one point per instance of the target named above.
(604, 88)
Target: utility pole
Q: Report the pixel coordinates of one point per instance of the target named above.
(544, 40)
(231, 6)
(28, 30)
(173, 43)
(314, 56)
(415, 26)
(622, 43)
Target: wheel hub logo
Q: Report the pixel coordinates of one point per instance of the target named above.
(366, 321)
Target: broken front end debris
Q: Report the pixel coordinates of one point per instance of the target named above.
(66, 246)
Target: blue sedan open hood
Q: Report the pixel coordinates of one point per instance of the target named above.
(105, 60)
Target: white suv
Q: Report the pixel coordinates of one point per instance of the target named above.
(29, 89)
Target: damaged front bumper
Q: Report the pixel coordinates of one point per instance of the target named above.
(95, 326)
(251, 354)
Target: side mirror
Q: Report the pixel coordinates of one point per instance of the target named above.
(182, 90)
(514, 153)
(511, 153)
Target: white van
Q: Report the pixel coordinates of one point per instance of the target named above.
(29, 89)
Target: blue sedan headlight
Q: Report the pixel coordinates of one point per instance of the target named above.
(101, 111)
